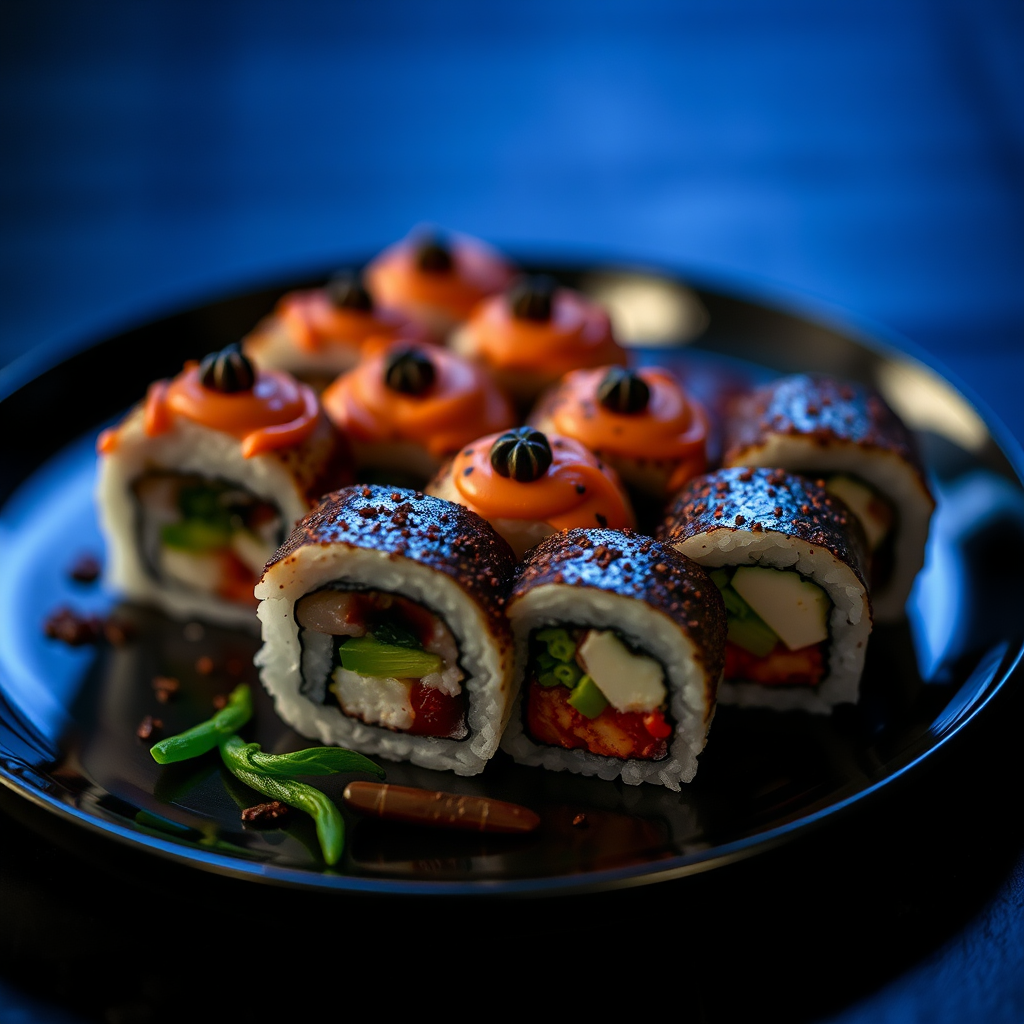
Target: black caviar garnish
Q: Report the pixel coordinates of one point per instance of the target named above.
(433, 254)
(410, 371)
(623, 391)
(347, 291)
(532, 297)
(227, 371)
(523, 454)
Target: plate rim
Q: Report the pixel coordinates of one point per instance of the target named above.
(863, 331)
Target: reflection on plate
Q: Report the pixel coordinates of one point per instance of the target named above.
(69, 715)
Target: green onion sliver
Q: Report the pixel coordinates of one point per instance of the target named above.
(206, 735)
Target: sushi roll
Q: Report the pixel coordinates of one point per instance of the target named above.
(789, 560)
(528, 485)
(405, 409)
(642, 423)
(384, 629)
(845, 434)
(203, 480)
(320, 332)
(535, 332)
(619, 645)
(437, 278)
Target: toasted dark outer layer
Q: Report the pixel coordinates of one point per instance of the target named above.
(763, 500)
(824, 409)
(407, 524)
(632, 565)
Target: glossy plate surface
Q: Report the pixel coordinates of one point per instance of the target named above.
(69, 715)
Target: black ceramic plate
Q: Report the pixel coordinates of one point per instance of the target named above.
(68, 715)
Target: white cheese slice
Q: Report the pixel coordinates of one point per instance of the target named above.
(376, 700)
(795, 608)
(630, 682)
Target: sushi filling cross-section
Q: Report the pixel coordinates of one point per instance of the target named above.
(394, 663)
(777, 625)
(587, 689)
(204, 534)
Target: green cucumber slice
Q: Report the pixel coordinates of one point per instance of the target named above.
(367, 656)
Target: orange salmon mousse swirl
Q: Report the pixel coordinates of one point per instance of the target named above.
(642, 422)
(201, 482)
(535, 333)
(437, 278)
(528, 485)
(406, 408)
(318, 333)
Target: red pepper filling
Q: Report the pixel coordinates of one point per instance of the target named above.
(780, 667)
(550, 718)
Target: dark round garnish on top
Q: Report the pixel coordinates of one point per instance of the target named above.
(523, 454)
(433, 254)
(227, 371)
(532, 297)
(347, 291)
(410, 371)
(623, 391)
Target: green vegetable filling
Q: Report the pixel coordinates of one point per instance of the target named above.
(207, 521)
(370, 656)
(746, 628)
(554, 664)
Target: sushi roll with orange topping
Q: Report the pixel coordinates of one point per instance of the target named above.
(620, 644)
(405, 409)
(534, 333)
(203, 480)
(437, 279)
(642, 422)
(527, 485)
(321, 332)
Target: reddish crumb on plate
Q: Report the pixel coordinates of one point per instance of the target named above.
(73, 629)
(204, 665)
(149, 728)
(86, 569)
(265, 815)
(165, 687)
(580, 821)
(220, 701)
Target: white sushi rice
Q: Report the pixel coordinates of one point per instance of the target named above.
(849, 621)
(188, 448)
(295, 663)
(650, 631)
(892, 477)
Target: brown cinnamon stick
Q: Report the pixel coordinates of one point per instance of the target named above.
(443, 810)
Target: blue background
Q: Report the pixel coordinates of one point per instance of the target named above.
(864, 156)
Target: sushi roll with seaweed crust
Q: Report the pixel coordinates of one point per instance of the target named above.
(619, 645)
(845, 434)
(789, 560)
(202, 481)
(384, 629)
